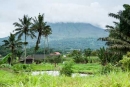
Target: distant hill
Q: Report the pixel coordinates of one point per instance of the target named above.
(75, 30)
(72, 35)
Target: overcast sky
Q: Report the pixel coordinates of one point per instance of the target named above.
(88, 11)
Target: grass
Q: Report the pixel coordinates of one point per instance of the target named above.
(87, 68)
(82, 68)
(8, 78)
(118, 79)
(42, 67)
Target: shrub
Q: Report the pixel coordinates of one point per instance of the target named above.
(5, 66)
(77, 56)
(128, 54)
(108, 68)
(109, 56)
(19, 67)
(67, 68)
(125, 62)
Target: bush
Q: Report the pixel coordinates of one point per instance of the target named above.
(77, 56)
(125, 62)
(108, 68)
(67, 68)
(19, 67)
(109, 56)
(5, 66)
(128, 54)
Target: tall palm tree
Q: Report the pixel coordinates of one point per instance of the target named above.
(38, 26)
(46, 32)
(119, 37)
(12, 44)
(42, 28)
(23, 28)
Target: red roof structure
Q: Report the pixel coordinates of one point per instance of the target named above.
(55, 53)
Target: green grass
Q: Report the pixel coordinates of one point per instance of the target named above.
(84, 68)
(87, 68)
(43, 66)
(9, 79)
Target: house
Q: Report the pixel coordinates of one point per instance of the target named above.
(29, 60)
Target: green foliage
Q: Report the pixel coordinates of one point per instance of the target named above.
(12, 44)
(67, 68)
(94, 53)
(109, 56)
(77, 56)
(126, 62)
(87, 52)
(22, 67)
(109, 68)
(119, 35)
(3, 51)
(128, 54)
(102, 55)
(5, 59)
(5, 66)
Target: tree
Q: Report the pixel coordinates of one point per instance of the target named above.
(42, 28)
(47, 31)
(38, 26)
(12, 44)
(23, 28)
(119, 37)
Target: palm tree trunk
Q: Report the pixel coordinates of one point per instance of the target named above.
(12, 56)
(44, 47)
(25, 50)
(48, 45)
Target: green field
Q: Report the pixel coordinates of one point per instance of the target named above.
(82, 68)
(9, 79)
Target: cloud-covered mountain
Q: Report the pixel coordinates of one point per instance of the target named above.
(72, 35)
(75, 30)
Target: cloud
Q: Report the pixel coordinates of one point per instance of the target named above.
(88, 11)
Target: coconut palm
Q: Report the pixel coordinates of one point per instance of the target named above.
(12, 44)
(23, 28)
(38, 26)
(46, 32)
(42, 28)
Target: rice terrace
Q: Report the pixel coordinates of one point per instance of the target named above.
(65, 43)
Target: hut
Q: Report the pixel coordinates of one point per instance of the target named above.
(29, 60)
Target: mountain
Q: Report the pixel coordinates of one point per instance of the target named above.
(75, 30)
(72, 35)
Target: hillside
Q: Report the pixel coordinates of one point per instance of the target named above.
(75, 30)
(72, 35)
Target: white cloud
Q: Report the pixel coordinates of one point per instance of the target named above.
(89, 11)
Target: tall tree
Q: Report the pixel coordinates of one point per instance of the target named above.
(38, 26)
(119, 37)
(23, 28)
(42, 28)
(46, 32)
(12, 44)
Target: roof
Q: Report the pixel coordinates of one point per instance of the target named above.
(55, 53)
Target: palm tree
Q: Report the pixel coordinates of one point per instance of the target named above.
(12, 44)
(38, 26)
(46, 32)
(119, 37)
(23, 28)
(42, 28)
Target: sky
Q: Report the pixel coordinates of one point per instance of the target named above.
(87, 11)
